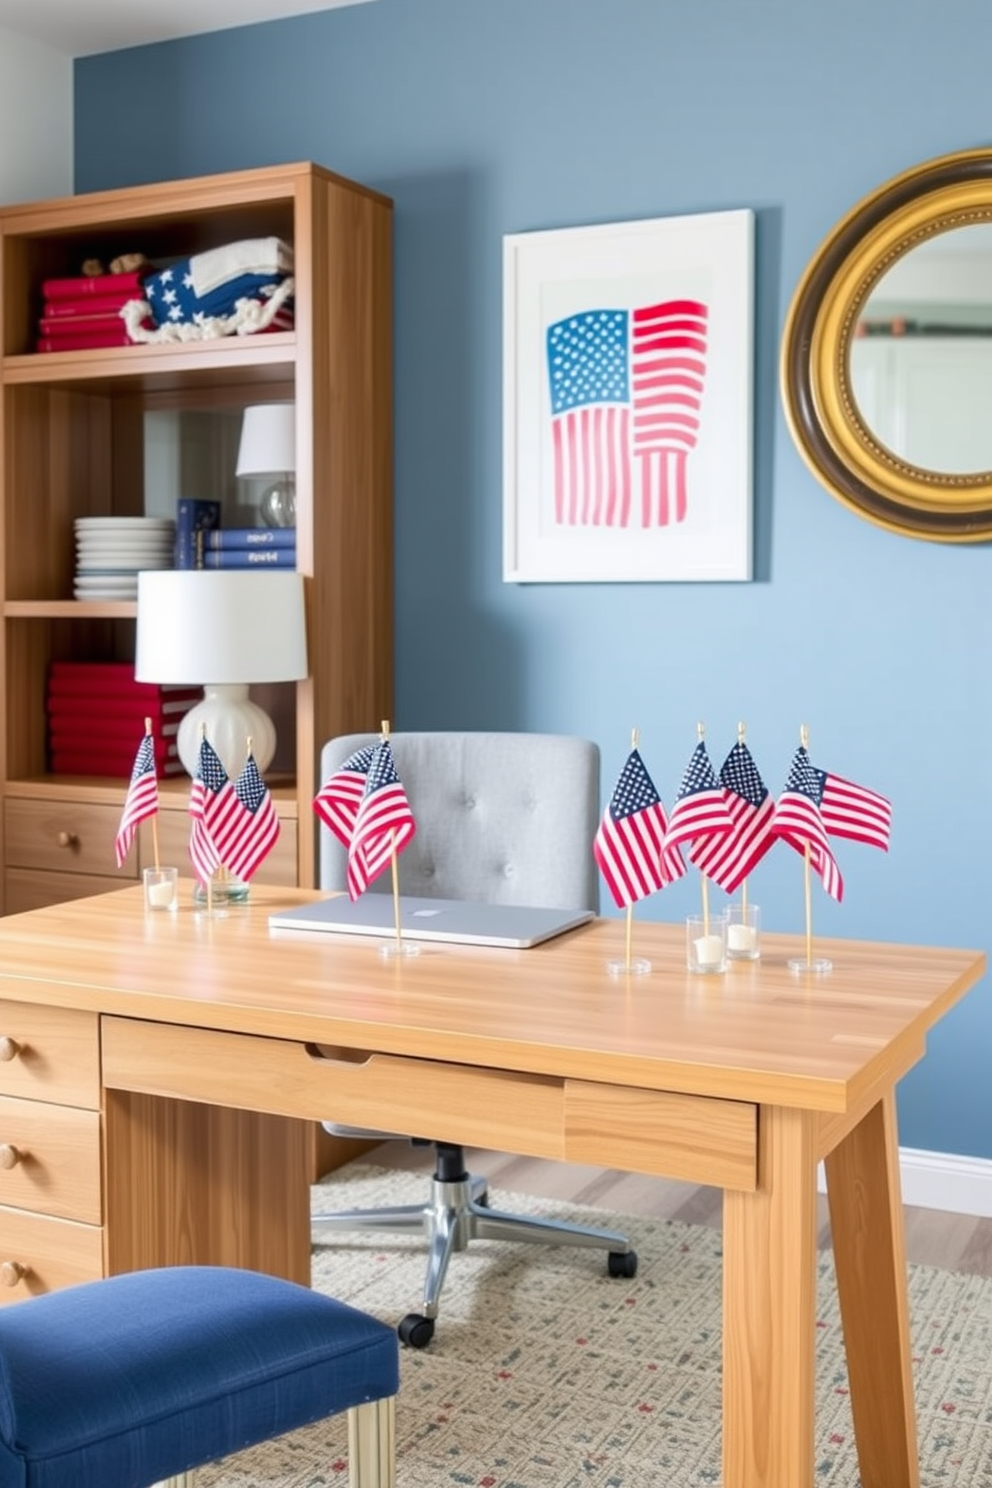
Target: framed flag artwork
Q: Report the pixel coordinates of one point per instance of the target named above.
(627, 401)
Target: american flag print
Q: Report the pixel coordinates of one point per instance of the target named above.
(854, 811)
(626, 393)
(729, 857)
(211, 798)
(253, 830)
(629, 844)
(798, 821)
(338, 800)
(384, 823)
(699, 811)
(141, 801)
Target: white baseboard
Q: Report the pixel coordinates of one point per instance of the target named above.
(942, 1180)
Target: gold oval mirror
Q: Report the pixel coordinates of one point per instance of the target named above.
(886, 368)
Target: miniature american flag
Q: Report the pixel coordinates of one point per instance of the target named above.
(850, 810)
(384, 823)
(729, 857)
(626, 391)
(700, 810)
(251, 833)
(141, 801)
(338, 800)
(798, 821)
(210, 799)
(629, 843)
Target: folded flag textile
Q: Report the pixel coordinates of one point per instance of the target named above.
(238, 289)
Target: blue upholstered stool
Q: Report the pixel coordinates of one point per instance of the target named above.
(142, 1377)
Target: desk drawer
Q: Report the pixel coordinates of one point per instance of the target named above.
(32, 888)
(65, 837)
(50, 1159)
(38, 1254)
(50, 1054)
(692, 1137)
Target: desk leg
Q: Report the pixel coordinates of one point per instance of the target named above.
(866, 1222)
(769, 1297)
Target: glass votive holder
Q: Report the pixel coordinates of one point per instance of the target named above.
(161, 888)
(743, 932)
(706, 942)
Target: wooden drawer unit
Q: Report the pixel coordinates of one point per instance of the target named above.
(31, 888)
(61, 836)
(51, 1198)
(50, 1159)
(40, 1254)
(49, 1054)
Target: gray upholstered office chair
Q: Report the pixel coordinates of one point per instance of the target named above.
(508, 818)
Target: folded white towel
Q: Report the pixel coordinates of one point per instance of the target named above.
(249, 256)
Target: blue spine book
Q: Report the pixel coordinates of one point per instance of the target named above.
(250, 557)
(194, 519)
(239, 538)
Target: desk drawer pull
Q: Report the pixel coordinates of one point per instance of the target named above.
(9, 1048)
(11, 1272)
(10, 1156)
(68, 839)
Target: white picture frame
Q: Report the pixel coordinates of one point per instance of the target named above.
(627, 401)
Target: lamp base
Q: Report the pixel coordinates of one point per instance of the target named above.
(230, 719)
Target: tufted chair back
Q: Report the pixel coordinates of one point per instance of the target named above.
(504, 817)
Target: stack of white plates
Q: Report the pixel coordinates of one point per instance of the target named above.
(111, 550)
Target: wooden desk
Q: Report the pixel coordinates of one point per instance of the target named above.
(201, 1049)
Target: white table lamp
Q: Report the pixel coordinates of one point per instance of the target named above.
(222, 630)
(268, 449)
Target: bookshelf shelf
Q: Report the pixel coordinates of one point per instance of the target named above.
(73, 429)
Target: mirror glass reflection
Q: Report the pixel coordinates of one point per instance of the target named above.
(921, 357)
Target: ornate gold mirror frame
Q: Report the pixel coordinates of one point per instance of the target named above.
(842, 452)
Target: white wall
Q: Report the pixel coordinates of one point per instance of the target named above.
(35, 120)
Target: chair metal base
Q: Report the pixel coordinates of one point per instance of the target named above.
(457, 1212)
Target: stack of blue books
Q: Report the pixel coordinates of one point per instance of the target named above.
(249, 547)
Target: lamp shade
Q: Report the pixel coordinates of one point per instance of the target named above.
(268, 440)
(223, 630)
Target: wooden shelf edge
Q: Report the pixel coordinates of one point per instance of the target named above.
(70, 609)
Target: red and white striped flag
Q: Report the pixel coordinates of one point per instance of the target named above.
(210, 799)
(629, 845)
(250, 833)
(729, 857)
(384, 822)
(699, 812)
(850, 810)
(625, 390)
(141, 801)
(338, 800)
(798, 821)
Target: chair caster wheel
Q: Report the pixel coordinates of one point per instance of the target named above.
(415, 1330)
(621, 1263)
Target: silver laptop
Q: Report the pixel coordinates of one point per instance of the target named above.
(463, 921)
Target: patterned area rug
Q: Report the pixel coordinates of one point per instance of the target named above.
(544, 1373)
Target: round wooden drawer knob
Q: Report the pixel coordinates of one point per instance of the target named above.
(9, 1155)
(9, 1048)
(68, 839)
(11, 1273)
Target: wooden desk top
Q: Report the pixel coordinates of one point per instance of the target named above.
(758, 1033)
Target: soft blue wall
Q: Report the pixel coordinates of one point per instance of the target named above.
(486, 118)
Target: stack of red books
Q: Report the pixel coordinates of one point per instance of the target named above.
(96, 718)
(84, 312)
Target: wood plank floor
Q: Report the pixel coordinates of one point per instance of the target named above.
(954, 1242)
